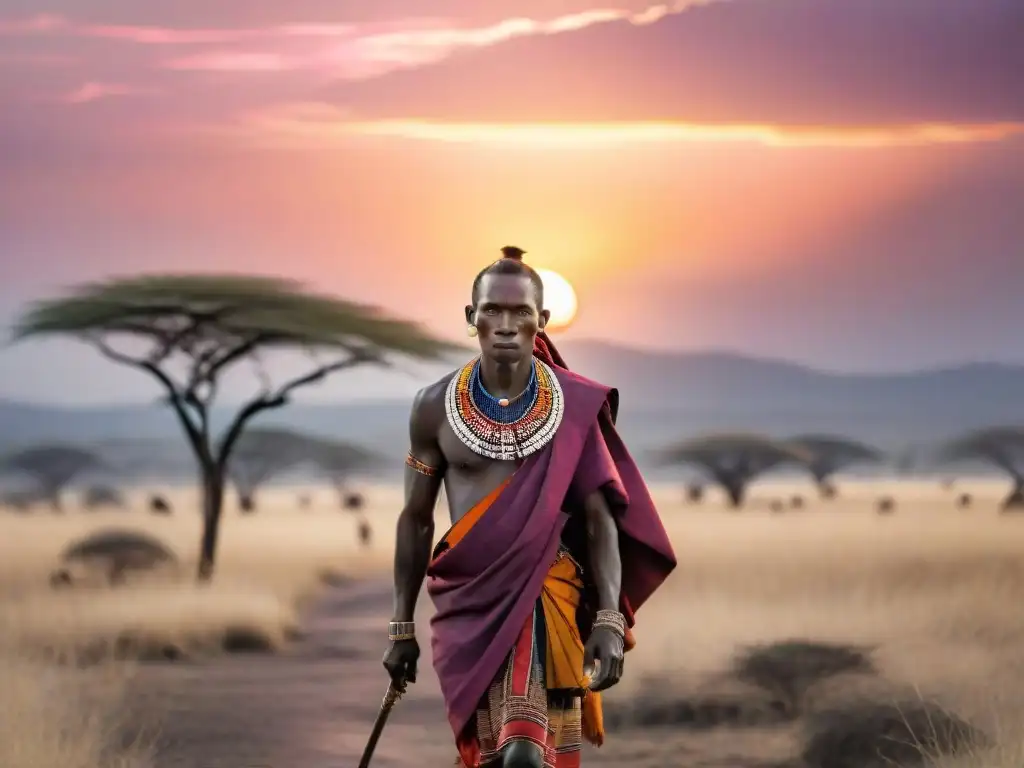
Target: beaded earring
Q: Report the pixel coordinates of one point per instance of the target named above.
(471, 331)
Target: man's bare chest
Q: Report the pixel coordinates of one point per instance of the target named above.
(469, 477)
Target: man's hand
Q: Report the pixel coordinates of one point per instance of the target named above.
(400, 661)
(606, 649)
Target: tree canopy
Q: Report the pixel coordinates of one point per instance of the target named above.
(1002, 447)
(52, 467)
(727, 448)
(733, 459)
(195, 327)
(829, 454)
(214, 321)
(339, 459)
(263, 452)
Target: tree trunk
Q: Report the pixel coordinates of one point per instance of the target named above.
(826, 489)
(1015, 501)
(734, 484)
(53, 495)
(736, 493)
(213, 505)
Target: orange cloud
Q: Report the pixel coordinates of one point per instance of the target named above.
(318, 125)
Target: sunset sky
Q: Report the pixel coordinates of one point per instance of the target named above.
(837, 182)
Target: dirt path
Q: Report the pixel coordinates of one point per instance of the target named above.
(313, 707)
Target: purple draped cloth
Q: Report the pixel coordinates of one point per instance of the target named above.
(485, 587)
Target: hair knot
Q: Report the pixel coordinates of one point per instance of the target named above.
(512, 252)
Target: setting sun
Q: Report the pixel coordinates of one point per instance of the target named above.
(559, 299)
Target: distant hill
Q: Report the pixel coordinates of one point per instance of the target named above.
(664, 396)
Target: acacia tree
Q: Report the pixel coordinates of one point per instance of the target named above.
(194, 328)
(52, 468)
(262, 453)
(733, 460)
(338, 461)
(830, 454)
(1002, 447)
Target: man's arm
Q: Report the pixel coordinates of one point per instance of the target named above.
(415, 532)
(603, 548)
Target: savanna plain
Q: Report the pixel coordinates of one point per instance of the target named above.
(827, 635)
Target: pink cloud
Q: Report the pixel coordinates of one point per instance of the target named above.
(94, 91)
(343, 50)
(32, 25)
(366, 53)
(226, 61)
(167, 36)
(158, 36)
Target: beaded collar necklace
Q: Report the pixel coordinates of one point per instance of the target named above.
(501, 409)
(504, 429)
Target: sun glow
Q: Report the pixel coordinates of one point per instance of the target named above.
(559, 299)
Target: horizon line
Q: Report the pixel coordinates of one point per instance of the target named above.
(658, 352)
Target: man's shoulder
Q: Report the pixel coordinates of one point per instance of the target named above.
(429, 401)
(590, 395)
(573, 380)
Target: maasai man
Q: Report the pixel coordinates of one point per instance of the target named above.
(554, 540)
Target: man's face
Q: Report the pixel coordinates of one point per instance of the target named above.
(507, 317)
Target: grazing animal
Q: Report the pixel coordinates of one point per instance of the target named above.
(694, 493)
(353, 501)
(247, 503)
(964, 500)
(115, 552)
(158, 505)
(365, 533)
(886, 506)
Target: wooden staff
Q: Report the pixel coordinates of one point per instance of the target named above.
(394, 693)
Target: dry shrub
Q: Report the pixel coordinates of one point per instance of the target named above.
(59, 717)
(789, 668)
(872, 735)
(665, 703)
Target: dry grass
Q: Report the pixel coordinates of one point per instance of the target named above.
(269, 565)
(933, 589)
(72, 716)
(61, 717)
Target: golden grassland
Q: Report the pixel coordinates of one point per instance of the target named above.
(935, 589)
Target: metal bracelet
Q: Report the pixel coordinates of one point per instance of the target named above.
(613, 620)
(401, 630)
